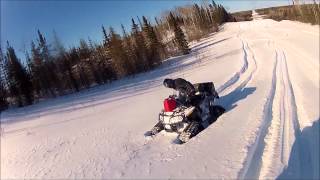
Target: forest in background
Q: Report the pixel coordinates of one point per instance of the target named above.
(51, 70)
(298, 11)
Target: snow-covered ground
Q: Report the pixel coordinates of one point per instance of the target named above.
(267, 75)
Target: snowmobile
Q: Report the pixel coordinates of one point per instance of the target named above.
(187, 119)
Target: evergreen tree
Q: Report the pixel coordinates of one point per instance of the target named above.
(180, 39)
(106, 44)
(48, 68)
(119, 58)
(64, 67)
(84, 49)
(79, 67)
(214, 22)
(104, 53)
(3, 92)
(95, 62)
(140, 48)
(41, 72)
(129, 50)
(106, 39)
(140, 23)
(3, 70)
(36, 69)
(19, 81)
(219, 14)
(29, 64)
(58, 47)
(3, 96)
(214, 4)
(105, 64)
(85, 53)
(67, 67)
(157, 21)
(152, 42)
(43, 47)
(198, 16)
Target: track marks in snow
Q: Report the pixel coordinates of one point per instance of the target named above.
(237, 75)
(253, 161)
(244, 75)
(289, 128)
(278, 130)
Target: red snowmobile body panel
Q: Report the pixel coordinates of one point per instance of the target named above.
(169, 104)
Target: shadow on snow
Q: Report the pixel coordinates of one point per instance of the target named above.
(229, 101)
(304, 157)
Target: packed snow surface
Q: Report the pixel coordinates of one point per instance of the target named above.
(267, 76)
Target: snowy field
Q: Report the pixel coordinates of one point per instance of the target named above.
(267, 75)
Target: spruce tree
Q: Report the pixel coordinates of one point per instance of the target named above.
(119, 58)
(157, 21)
(3, 69)
(64, 66)
(58, 47)
(19, 81)
(3, 96)
(67, 67)
(140, 47)
(152, 42)
(48, 68)
(140, 23)
(3, 91)
(78, 67)
(43, 47)
(198, 15)
(84, 49)
(129, 51)
(36, 69)
(105, 64)
(29, 63)
(85, 53)
(106, 39)
(104, 53)
(94, 62)
(180, 39)
(106, 43)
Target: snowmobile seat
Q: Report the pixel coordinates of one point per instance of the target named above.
(206, 88)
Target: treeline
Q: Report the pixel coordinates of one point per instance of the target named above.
(51, 70)
(307, 13)
(197, 21)
(242, 16)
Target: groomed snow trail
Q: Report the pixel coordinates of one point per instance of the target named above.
(267, 76)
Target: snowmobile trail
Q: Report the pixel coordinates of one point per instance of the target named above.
(241, 78)
(253, 163)
(247, 54)
(266, 74)
(285, 111)
(281, 85)
(281, 107)
(237, 75)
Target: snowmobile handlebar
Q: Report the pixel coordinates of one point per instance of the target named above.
(173, 96)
